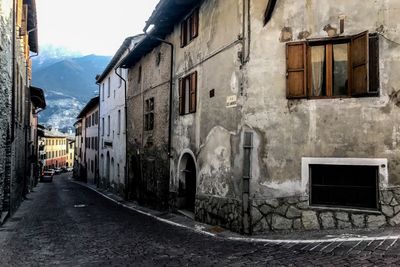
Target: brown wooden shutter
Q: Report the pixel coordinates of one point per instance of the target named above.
(24, 21)
(183, 33)
(195, 24)
(373, 63)
(296, 72)
(181, 96)
(359, 64)
(193, 92)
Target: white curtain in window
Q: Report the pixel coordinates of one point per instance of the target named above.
(318, 64)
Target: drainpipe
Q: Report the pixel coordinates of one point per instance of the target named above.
(126, 134)
(170, 88)
(246, 33)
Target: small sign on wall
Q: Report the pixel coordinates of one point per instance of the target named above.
(231, 101)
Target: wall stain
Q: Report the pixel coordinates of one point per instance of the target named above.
(303, 35)
(286, 35)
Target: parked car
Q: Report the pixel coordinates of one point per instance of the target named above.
(70, 169)
(52, 171)
(58, 170)
(64, 169)
(47, 176)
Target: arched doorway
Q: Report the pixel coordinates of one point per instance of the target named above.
(134, 178)
(112, 170)
(187, 183)
(108, 163)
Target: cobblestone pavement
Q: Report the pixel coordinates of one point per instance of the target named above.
(66, 224)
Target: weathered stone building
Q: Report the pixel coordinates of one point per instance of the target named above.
(88, 160)
(19, 38)
(112, 135)
(148, 94)
(285, 113)
(6, 75)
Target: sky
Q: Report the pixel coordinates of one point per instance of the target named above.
(91, 26)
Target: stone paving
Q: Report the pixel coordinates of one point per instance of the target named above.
(66, 224)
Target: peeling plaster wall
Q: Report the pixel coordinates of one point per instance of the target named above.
(290, 129)
(212, 132)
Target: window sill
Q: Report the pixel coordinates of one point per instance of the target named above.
(189, 42)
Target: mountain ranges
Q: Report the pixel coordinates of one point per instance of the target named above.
(68, 81)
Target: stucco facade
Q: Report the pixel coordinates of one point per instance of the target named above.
(289, 132)
(55, 144)
(252, 146)
(86, 165)
(112, 136)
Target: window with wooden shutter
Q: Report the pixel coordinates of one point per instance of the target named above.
(359, 64)
(183, 33)
(373, 63)
(24, 21)
(188, 94)
(194, 24)
(193, 92)
(190, 28)
(296, 70)
(181, 96)
(333, 67)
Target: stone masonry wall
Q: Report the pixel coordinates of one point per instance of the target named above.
(294, 213)
(5, 100)
(225, 212)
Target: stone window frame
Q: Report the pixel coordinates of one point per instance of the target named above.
(381, 163)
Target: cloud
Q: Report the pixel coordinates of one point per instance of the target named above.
(91, 26)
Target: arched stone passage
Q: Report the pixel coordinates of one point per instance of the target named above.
(187, 172)
(108, 163)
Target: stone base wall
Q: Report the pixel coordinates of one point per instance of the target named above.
(294, 213)
(225, 212)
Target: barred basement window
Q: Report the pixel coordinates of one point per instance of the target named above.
(350, 186)
(188, 94)
(149, 115)
(334, 67)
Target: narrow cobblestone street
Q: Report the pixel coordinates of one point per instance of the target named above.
(66, 224)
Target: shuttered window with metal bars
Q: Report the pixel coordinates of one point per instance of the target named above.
(350, 186)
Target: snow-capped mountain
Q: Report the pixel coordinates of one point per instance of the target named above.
(68, 83)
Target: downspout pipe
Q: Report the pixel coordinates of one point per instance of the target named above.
(170, 88)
